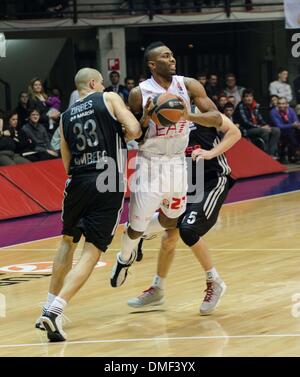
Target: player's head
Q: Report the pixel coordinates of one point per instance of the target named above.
(159, 59)
(89, 80)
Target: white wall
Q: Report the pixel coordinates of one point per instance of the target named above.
(111, 45)
(26, 59)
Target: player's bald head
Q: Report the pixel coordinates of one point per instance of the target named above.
(84, 77)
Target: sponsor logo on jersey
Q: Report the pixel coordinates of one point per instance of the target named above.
(181, 91)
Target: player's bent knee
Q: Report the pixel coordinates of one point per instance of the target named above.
(188, 235)
(133, 234)
(169, 241)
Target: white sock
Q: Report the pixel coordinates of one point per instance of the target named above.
(57, 306)
(154, 226)
(158, 282)
(127, 246)
(212, 274)
(48, 302)
(50, 299)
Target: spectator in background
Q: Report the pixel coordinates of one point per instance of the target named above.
(280, 87)
(231, 99)
(55, 141)
(296, 84)
(253, 125)
(114, 77)
(39, 136)
(232, 89)
(202, 78)
(129, 84)
(23, 145)
(74, 97)
(285, 118)
(273, 101)
(22, 109)
(212, 87)
(222, 100)
(8, 155)
(228, 111)
(38, 100)
(54, 100)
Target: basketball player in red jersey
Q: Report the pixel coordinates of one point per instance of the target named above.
(167, 147)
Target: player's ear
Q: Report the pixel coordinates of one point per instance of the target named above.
(151, 64)
(92, 84)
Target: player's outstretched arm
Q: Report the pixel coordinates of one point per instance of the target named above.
(231, 135)
(124, 116)
(209, 116)
(64, 149)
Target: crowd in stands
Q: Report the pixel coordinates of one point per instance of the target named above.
(276, 129)
(26, 132)
(30, 132)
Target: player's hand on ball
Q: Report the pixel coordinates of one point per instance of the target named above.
(202, 154)
(148, 107)
(185, 111)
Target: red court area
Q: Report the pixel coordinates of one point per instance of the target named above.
(38, 187)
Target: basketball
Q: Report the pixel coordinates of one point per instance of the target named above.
(167, 109)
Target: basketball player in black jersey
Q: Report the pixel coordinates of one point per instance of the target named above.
(92, 142)
(200, 216)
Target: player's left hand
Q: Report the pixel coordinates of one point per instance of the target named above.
(202, 154)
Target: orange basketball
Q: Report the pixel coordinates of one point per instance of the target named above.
(167, 109)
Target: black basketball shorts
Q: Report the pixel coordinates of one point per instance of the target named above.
(201, 216)
(89, 212)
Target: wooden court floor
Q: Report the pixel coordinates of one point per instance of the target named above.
(256, 248)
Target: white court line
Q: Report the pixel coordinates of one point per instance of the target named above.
(240, 201)
(156, 339)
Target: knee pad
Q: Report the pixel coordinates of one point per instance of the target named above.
(188, 235)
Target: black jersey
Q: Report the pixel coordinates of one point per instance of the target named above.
(207, 138)
(93, 136)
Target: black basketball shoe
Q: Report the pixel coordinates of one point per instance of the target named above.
(53, 325)
(120, 270)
